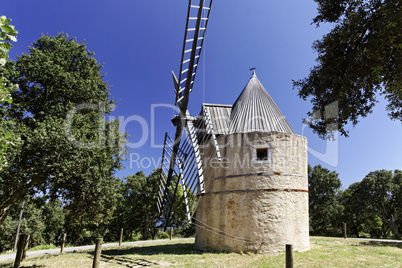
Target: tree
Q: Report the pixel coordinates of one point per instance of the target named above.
(361, 220)
(8, 231)
(373, 206)
(396, 201)
(42, 220)
(179, 213)
(376, 188)
(8, 139)
(381, 198)
(324, 206)
(32, 222)
(68, 153)
(358, 58)
(8, 34)
(179, 218)
(136, 210)
(53, 219)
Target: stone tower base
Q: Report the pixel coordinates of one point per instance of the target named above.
(251, 205)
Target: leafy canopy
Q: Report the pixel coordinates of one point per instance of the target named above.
(57, 75)
(8, 139)
(359, 58)
(324, 205)
(8, 34)
(374, 205)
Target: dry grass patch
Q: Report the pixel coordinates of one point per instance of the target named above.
(325, 252)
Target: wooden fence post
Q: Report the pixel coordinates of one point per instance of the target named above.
(289, 256)
(121, 236)
(63, 240)
(97, 253)
(20, 250)
(171, 233)
(344, 231)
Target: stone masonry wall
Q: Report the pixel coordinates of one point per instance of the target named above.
(255, 206)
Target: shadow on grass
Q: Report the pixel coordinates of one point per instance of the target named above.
(122, 256)
(381, 244)
(176, 249)
(129, 262)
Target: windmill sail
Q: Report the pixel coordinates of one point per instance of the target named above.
(181, 158)
(196, 26)
(187, 171)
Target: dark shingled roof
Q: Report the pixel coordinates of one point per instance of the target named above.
(253, 111)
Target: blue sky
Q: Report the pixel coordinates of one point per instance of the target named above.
(140, 42)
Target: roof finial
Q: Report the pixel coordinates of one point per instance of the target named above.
(253, 69)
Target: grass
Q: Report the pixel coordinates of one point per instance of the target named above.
(325, 252)
(42, 247)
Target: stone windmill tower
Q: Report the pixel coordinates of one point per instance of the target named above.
(256, 196)
(241, 167)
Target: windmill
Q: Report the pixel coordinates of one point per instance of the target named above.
(181, 159)
(241, 167)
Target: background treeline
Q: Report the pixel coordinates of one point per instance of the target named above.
(135, 211)
(370, 208)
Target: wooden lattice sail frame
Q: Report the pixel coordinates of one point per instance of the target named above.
(181, 158)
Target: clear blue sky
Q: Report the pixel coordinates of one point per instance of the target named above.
(140, 42)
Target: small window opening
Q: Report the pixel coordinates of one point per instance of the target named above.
(262, 154)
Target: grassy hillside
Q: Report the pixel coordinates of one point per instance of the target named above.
(325, 252)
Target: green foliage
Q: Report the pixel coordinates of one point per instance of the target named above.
(8, 34)
(57, 75)
(135, 237)
(396, 203)
(372, 206)
(8, 139)
(43, 247)
(33, 224)
(186, 230)
(83, 233)
(324, 206)
(7, 233)
(179, 218)
(136, 210)
(354, 213)
(53, 219)
(42, 221)
(162, 235)
(358, 58)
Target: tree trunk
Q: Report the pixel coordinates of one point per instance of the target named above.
(24, 252)
(395, 231)
(355, 230)
(3, 213)
(397, 234)
(146, 229)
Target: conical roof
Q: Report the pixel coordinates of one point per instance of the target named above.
(255, 111)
